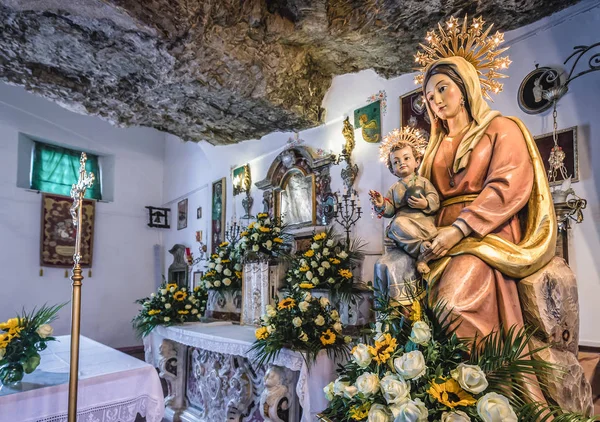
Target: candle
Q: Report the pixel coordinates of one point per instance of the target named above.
(187, 251)
(358, 202)
(345, 191)
(334, 207)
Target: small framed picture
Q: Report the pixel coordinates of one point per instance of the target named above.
(413, 112)
(199, 213)
(182, 209)
(567, 141)
(197, 279)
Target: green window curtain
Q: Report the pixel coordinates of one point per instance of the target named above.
(56, 169)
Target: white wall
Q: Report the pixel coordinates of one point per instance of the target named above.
(193, 167)
(123, 259)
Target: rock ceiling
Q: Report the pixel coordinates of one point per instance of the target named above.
(219, 70)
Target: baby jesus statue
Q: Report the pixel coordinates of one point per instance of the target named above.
(412, 201)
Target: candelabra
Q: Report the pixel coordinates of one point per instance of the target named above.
(232, 232)
(347, 211)
(202, 255)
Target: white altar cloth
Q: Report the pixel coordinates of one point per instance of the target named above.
(113, 387)
(225, 337)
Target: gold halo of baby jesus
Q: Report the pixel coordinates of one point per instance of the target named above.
(411, 202)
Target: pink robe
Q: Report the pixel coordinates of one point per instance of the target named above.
(500, 172)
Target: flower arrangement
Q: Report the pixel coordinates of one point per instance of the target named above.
(168, 306)
(263, 238)
(327, 264)
(300, 322)
(224, 269)
(21, 340)
(416, 369)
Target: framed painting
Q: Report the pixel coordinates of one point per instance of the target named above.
(198, 213)
(413, 112)
(368, 119)
(217, 234)
(241, 179)
(197, 279)
(57, 238)
(567, 140)
(182, 210)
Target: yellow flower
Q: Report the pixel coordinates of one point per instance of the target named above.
(153, 312)
(197, 288)
(179, 296)
(334, 261)
(261, 333)
(265, 229)
(262, 215)
(4, 340)
(304, 268)
(360, 412)
(309, 253)
(238, 274)
(222, 244)
(209, 274)
(383, 348)
(416, 312)
(251, 225)
(319, 236)
(328, 337)
(450, 394)
(171, 285)
(225, 261)
(287, 303)
(10, 325)
(278, 240)
(345, 273)
(306, 286)
(214, 256)
(244, 233)
(183, 312)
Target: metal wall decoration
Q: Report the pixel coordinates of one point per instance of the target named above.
(567, 142)
(300, 163)
(413, 112)
(158, 217)
(182, 212)
(217, 234)
(57, 237)
(530, 95)
(368, 119)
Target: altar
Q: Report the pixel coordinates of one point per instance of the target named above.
(112, 387)
(211, 376)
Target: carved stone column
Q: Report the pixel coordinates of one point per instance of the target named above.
(277, 402)
(171, 366)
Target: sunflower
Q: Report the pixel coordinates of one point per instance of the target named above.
(244, 233)
(265, 229)
(309, 253)
(261, 333)
(222, 244)
(171, 285)
(319, 236)
(360, 412)
(383, 348)
(238, 274)
(347, 274)
(328, 337)
(416, 312)
(287, 303)
(334, 261)
(450, 394)
(183, 312)
(304, 268)
(306, 286)
(225, 261)
(153, 312)
(251, 225)
(179, 296)
(278, 240)
(262, 215)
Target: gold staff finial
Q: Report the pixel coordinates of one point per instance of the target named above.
(77, 193)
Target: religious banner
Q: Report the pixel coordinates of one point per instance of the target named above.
(57, 240)
(218, 214)
(368, 119)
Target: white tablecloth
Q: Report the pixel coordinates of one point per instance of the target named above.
(113, 387)
(225, 337)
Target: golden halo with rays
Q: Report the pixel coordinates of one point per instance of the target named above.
(470, 42)
(406, 135)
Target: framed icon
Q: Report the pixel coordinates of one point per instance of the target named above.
(182, 209)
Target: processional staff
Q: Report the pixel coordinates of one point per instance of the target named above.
(77, 192)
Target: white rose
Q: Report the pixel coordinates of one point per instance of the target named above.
(227, 272)
(227, 281)
(254, 236)
(347, 339)
(328, 390)
(421, 333)
(324, 301)
(152, 294)
(303, 306)
(303, 337)
(297, 322)
(217, 283)
(494, 407)
(172, 289)
(315, 281)
(314, 264)
(410, 365)
(194, 311)
(367, 384)
(167, 319)
(267, 221)
(342, 255)
(361, 355)
(2, 353)
(309, 275)
(329, 243)
(307, 296)
(219, 268)
(319, 320)
(44, 330)
(456, 416)
(335, 315)
(337, 327)
(303, 262)
(321, 271)
(162, 299)
(211, 265)
(255, 248)
(268, 244)
(237, 267)
(218, 260)
(379, 413)
(314, 246)
(470, 378)
(257, 226)
(410, 411)
(394, 389)
(271, 311)
(276, 229)
(271, 329)
(326, 252)
(339, 387)
(167, 306)
(325, 264)
(188, 306)
(331, 280)
(208, 284)
(163, 291)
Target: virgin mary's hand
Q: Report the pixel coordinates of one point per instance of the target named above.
(446, 238)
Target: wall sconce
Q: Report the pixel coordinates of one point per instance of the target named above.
(158, 217)
(242, 182)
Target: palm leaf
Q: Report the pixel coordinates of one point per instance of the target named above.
(542, 412)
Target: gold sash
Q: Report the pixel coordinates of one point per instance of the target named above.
(459, 199)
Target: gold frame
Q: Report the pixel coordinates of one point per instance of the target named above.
(223, 181)
(277, 197)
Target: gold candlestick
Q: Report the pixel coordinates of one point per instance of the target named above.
(77, 193)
